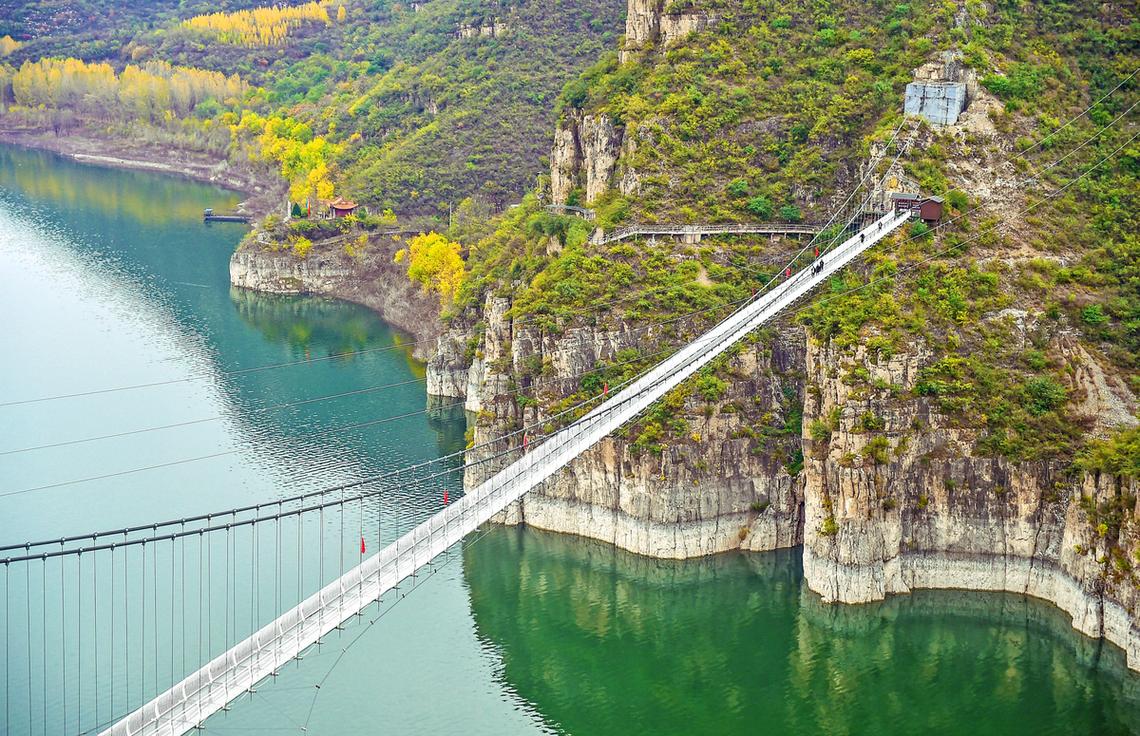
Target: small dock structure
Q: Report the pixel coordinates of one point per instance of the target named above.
(209, 216)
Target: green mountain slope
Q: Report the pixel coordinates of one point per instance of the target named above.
(432, 102)
(771, 111)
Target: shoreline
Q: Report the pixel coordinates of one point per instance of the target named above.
(258, 201)
(83, 147)
(372, 280)
(1095, 619)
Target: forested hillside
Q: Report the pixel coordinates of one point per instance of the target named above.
(422, 105)
(772, 110)
(957, 408)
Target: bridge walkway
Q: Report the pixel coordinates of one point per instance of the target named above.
(239, 669)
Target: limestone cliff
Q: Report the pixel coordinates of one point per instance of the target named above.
(919, 510)
(896, 498)
(369, 276)
(723, 484)
(585, 155)
(647, 23)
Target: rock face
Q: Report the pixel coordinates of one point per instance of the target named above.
(489, 29)
(713, 488)
(922, 511)
(642, 25)
(906, 504)
(674, 27)
(565, 162)
(370, 278)
(585, 154)
(647, 24)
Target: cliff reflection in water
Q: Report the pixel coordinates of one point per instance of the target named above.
(599, 640)
(318, 329)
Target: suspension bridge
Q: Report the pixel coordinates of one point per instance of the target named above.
(241, 667)
(150, 601)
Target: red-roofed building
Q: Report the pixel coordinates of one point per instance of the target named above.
(341, 207)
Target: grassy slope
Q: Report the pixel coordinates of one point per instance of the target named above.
(428, 118)
(468, 116)
(780, 101)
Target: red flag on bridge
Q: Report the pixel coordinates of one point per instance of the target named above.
(444, 496)
(362, 548)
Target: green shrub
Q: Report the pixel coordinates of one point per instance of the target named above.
(819, 431)
(1094, 315)
(1023, 82)
(761, 207)
(957, 200)
(879, 450)
(710, 387)
(870, 422)
(738, 187)
(791, 213)
(1115, 455)
(1043, 394)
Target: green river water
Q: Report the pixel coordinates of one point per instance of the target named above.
(110, 279)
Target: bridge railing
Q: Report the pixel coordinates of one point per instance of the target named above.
(788, 228)
(241, 667)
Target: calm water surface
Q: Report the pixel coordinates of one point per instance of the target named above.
(110, 279)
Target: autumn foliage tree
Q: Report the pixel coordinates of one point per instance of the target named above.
(435, 263)
(303, 157)
(266, 26)
(149, 92)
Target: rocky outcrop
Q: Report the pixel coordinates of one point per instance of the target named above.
(565, 161)
(716, 486)
(896, 499)
(647, 24)
(371, 277)
(450, 364)
(601, 144)
(489, 29)
(674, 27)
(586, 154)
(642, 25)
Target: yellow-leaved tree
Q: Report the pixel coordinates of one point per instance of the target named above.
(304, 158)
(264, 26)
(435, 263)
(9, 44)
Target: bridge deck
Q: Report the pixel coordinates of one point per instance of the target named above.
(237, 670)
